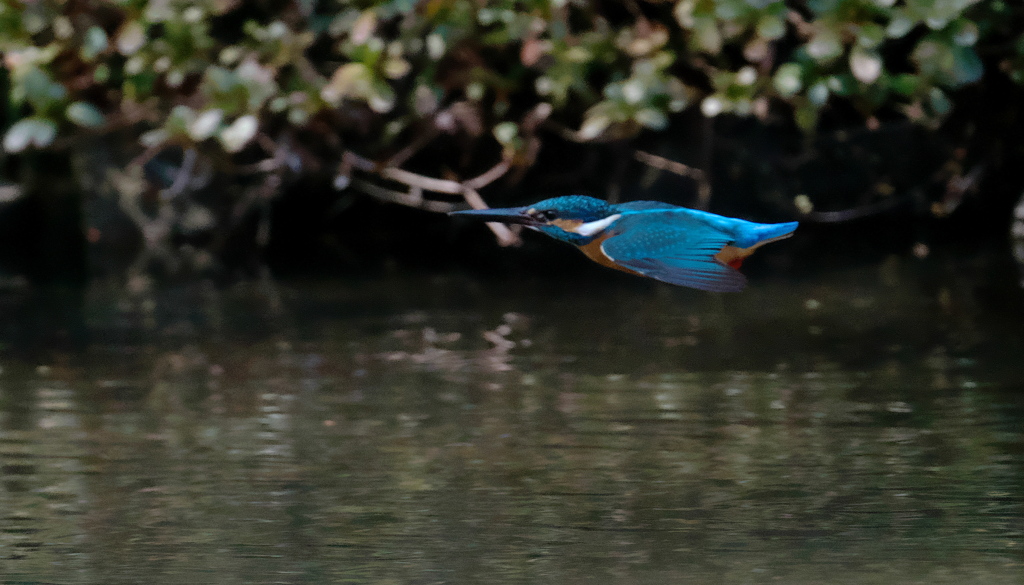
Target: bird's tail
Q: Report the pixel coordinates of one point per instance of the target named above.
(770, 232)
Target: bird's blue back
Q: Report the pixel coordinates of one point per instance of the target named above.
(743, 233)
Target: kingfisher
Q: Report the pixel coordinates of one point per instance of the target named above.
(673, 244)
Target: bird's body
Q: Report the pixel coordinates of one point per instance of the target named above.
(673, 244)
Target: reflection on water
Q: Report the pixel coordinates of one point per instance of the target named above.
(440, 432)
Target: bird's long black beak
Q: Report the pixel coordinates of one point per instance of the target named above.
(506, 215)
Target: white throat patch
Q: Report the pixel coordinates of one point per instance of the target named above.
(591, 228)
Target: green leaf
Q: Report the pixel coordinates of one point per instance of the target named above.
(714, 105)
(771, 27)
(870, 35)
(651, 118)
(842, 84)
(130, 38)
(597, 119)
(939, 58)
(824, 46)
(101, 75)
(684, 13)
(965, 32)
(37, 132)
(730, 9)
(818, 94)
(381, 98)
(178, 120)
(94, 43)
(865, 65)
(84, 114)
(506, 132)
(706, 36)
(938, 14)
(154, 138)
(239, 133)
(823, 6)
(806, 116)
(967, 66)
(788, 79)
(633, 91)
(899, 25)
(348, 81)
(205, 125)
(938, 101)
(906, 84)
(38, 89)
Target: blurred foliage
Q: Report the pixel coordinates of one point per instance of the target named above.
(222, 71)
(190, 116)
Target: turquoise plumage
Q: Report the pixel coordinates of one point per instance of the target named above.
(672, 244)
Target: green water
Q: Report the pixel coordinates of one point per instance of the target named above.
(857, 428)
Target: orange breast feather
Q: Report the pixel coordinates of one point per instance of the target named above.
(594, 251)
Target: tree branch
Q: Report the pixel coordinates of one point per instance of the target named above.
(697, 175)
(506, 236)
(488, 177)
(183, 176)
(570, 135)
(418, 183)
(856, 212)
(412, 198)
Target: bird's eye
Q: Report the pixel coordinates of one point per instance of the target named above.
(549, 214)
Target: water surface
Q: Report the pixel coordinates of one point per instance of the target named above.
(854, 429)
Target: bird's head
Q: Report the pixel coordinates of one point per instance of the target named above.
(576, 219)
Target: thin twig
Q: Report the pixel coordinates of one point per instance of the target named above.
(536, 116)
(855, 212)
(145, 156)
(414, 146)
(488, 177)
(402, 198)
(567, 133)
(444, 185)
(183, 177)
(355, 161)
(418, 183)
(957, 188)
(428, 183)
(802, 27)
(506, 236)
(266, 165)
(660, 162)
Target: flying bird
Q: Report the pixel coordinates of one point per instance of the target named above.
(666, 242)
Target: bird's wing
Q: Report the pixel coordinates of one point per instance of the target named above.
(673, 251)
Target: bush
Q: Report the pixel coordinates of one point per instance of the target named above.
(294, 86)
